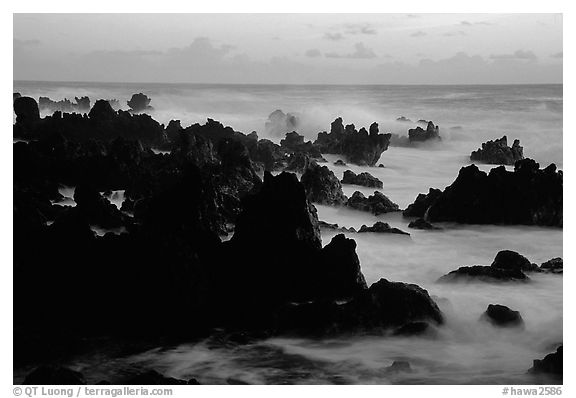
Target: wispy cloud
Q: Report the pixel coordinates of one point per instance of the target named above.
(360, 29)
(418, 34)
(313, 53)
(468, 23)
(333, 36)
(519, 54)
(360, 52)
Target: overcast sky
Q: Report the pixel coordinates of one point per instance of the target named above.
(290, 48)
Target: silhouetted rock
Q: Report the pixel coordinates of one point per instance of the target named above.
(376, 204)
(403, 119)
(300, 162)
(96, 208)
(528, 195)
(294, 143)
(139, 103)
(484, 273)
(16, 95)
(363, 179)
(498, 152)
(422, 203)
(418, 134)
(359, 147)
(336, 227)
(342, 267)
(551, 364)
(422, 224)
(555, 266)
(102, 111)
(270, 155)
(412, 329)
(54, 375)
(280, 123)
(322, 186)
(508, 259)
(502, 316)
(385, 305)
(382, 227)
(26, 109)
(339, 162)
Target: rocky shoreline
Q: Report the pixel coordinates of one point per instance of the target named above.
(210, 181)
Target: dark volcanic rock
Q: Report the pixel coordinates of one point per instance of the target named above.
(422, 203)
(54, 375)
(498, 152)
(82, 104)
(484, 273)
(500, 315)
(139, 103)
(300, 162)
(419, 134)
(508, 266)
(96, 208)
(551, 364)
(280, 123)
(555, 266)
(528, 195)
(382, 227)
(385, 305)
(363, 179)
(26, 109)
(376, 204)
(294, 143)
(275, 257)
(508, 259)
(422, 224)
(322, 186)
(342, 274)
(359, 147)
(336, 227)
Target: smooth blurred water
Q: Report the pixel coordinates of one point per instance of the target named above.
(464, 350)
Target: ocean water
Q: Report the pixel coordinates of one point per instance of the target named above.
(464, 350)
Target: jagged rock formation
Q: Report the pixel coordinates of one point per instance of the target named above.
(364, 179)
(359, 147)
(376, 204)
(294, 143)
(382, 227)
(170, 259)
(498, 152)
(551, 364)
(418, 134)
(139, 103)
(420, 223)
(81, 104)
(554, 266)
(322, 186)
(528, 196)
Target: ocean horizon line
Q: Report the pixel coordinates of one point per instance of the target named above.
(17, 81)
